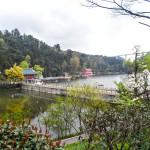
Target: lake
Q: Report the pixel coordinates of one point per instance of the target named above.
(106, 80)
(32, 104)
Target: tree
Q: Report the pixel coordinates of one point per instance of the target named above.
(146, 60)
(28, 59)
(14, 74)
(57, 46)
(2, 42)
(81, 98)
(84, 65)
(24, 64)
(39, 69)
(15, 33)
(133, 8)
(59, 118)
(65, 66)
(95, 67)
(1, 77)
(74, 64)
(137, 83)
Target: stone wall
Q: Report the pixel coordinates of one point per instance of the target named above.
(57, 90)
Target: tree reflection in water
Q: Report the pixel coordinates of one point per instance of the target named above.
(15, 104)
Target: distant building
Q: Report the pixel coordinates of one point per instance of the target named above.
(30, 74)
(66, 74)
(87, 72)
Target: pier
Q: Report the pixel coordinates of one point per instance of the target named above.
(62, 89)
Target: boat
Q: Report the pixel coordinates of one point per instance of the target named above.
(100, 84)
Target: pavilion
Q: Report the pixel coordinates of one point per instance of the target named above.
(30, 74)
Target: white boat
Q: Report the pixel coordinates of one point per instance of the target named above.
(100, 84)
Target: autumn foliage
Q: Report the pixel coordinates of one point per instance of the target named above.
(14, 74)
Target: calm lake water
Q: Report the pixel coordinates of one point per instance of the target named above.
(106, 80)
(17, 103)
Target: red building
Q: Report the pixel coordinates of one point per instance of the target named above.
(30, 74)
(87, 72)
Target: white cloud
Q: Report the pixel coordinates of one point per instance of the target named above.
(73, 26)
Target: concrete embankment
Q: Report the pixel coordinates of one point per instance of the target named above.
(52, 89)
(107, 94)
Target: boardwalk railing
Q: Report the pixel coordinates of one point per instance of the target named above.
(108, 91)
(62, 89)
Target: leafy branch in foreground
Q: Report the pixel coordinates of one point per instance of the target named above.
(25, 136)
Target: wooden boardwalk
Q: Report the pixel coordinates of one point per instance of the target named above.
(62, 89)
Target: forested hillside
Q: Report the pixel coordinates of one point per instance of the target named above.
(14, 47)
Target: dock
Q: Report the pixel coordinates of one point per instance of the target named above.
(62, 89)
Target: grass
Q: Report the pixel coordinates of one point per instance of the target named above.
(82, 145)
(76, 146)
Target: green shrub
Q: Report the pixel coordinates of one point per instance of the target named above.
(23, 135)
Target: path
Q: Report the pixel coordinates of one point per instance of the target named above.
(74, 139)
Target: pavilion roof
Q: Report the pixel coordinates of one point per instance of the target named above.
(29, 71)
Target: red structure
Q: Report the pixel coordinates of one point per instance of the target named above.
(30, 77)
(87, 72)
(30, 74)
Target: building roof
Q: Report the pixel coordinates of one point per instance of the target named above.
(29, 71)
(87, 70)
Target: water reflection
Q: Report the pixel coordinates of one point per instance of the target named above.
(18, 103)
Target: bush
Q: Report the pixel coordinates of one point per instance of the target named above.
(22, 135)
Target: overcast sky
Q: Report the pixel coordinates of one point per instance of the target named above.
(66, 22)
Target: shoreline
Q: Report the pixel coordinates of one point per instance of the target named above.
(74, 77)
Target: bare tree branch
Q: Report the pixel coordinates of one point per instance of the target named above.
(122, 7)
(144, 24)
(94, 4)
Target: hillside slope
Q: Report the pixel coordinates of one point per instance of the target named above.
(14, 47)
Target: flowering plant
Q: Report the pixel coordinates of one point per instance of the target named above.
(136, 85)
(23, 135)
